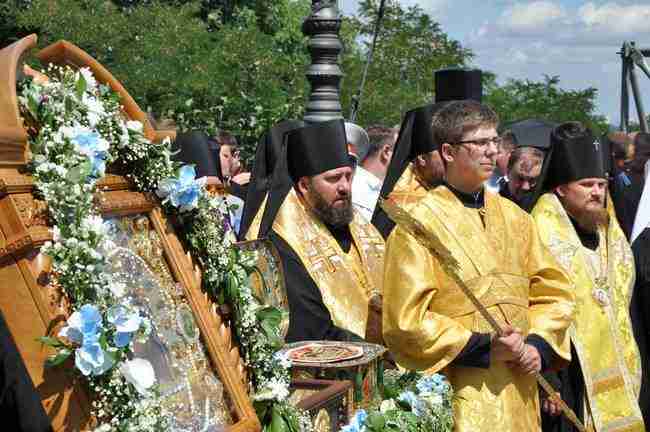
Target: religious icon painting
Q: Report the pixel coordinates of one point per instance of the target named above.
(200, 376)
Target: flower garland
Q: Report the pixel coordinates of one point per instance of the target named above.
(413, 403)
(77, 129)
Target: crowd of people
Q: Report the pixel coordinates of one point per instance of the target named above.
(547, 222)
(548, 226)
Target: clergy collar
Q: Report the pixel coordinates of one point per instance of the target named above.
(588, 239)
(342, 235)
(471, 200)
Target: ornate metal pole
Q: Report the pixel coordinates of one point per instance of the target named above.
(324, 74)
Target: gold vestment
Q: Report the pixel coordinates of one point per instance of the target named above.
(347, 281)
(428, 319)
(409, 189)
(602, 331)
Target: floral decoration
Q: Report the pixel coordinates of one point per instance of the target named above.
(77, 130)
(412, 403)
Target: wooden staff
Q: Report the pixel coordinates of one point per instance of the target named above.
(432, 243)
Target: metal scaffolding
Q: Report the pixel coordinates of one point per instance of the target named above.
(631, 58)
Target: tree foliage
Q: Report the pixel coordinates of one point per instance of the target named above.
(231, 75)
(410, 47)
(521, 99)
(240, 64)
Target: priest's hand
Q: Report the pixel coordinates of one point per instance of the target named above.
(529, 360)
(508, 347)
(550, 407)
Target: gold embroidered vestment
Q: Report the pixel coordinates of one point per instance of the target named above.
(347, 281)
(602, 332)
(409, 189)
(428, 320)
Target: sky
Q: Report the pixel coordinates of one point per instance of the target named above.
(576, 40)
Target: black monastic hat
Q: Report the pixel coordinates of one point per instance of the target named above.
(269, 150)
(308, 151)
(197, 149)
(415, 136)
(532, 133)
(458, 84)
(317, 148)
(573, 159)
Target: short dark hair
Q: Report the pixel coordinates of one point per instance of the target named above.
(225, 138)
(508, 140)
(457, 118)
(641, 153)
(519, 152)
(379, 136)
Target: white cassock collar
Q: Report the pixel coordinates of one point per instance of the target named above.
(642, 219)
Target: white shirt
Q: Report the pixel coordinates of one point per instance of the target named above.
(365, 192)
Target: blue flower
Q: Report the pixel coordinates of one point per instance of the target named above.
(92, 145)
(432, 383)
(417, 405)
(184, 191)
(126, 323)
(84, 327)
(357, 424)
(91, 359)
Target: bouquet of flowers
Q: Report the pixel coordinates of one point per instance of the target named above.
(77, 129)
(412, 403)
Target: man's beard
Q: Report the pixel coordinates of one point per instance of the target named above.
(589, 219)
(333, 216)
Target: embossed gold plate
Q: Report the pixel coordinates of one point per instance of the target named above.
(330, 352)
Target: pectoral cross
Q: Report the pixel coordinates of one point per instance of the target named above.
(597, 145)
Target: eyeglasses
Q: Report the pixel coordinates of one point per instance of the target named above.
(483, 143)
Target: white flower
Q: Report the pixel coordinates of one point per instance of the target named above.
(88, 77)
(95, 109)
(283, 359)
(434, 399)
(56, 233)
(140, 373)
(387, 405)
(117, 288)
(94, 224)
(134, 125)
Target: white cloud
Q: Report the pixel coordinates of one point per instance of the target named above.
(616, 18)
(534, 16)
(435, 8)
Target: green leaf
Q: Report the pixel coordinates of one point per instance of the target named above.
(272, 334)
(59, 358)
(50, 341)
(79, 172)
(32, 105)
(80, 86)
(277, 421)
(376, 422)
(270, 314)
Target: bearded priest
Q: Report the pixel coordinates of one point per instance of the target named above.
(577, 223)
(332, 257)
(429, 323)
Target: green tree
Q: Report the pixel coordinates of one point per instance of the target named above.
(410, 47)
(520, 99)
(234, 76)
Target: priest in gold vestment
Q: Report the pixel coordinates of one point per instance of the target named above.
(332, 257)
(577, 223)
(429, 323)
(416, 165)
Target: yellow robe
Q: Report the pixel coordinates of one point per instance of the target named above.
(428, 320)
(347, 281)
(602, 332)
(409, 189)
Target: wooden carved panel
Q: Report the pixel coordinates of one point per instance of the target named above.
(31, 302)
